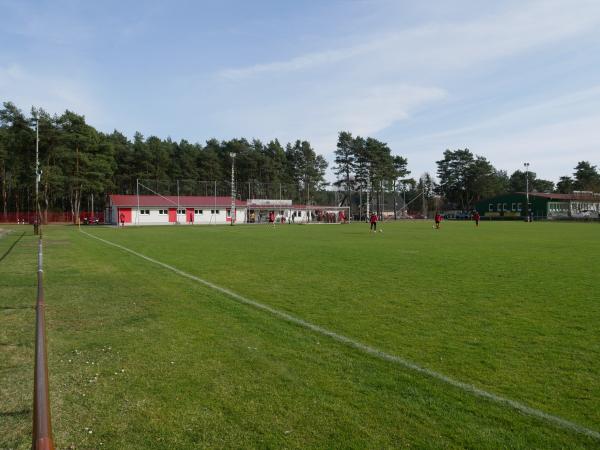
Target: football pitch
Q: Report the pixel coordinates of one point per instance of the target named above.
(307, 336)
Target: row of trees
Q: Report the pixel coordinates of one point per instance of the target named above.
(464, 179)
(367, 165)
(77, 161)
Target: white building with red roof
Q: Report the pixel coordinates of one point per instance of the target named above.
(206, 210)
(164, 210)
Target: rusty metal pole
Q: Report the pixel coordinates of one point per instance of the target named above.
(42, 426)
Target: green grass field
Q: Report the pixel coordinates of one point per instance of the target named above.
(141, 357)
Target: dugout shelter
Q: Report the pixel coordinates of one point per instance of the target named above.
(577, 205)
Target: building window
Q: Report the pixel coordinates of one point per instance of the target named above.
(144, 212)
(214, 211)
(198, 211)
(181, 211)
(163, 212)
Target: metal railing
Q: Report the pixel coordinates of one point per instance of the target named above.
(42, 424)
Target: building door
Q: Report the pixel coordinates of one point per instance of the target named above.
(125, 215)
(189, 213)
(172, 215)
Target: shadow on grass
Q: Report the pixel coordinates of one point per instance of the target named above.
(16, 307)
(22, 412)
(11, 247)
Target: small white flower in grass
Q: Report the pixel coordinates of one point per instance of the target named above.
(172, 362)
(90, 431)
(122, 370)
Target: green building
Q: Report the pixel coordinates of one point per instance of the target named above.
(578, 205)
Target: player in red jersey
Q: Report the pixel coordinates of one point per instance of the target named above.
(272, 218)
(438, 220)
(373, 222)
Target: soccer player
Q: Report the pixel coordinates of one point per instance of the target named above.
(438, 220)
(373, 221)
(272, 218)
(122, 217)
(476, 218)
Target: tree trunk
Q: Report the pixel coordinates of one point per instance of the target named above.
(17, 203)
(4, 193)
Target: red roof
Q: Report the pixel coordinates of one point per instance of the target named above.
(171, 201)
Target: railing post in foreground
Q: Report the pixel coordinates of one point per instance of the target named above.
(42, 427)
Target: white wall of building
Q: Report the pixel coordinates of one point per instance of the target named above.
(160, 216)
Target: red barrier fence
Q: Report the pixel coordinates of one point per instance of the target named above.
(51, 217)
(42, 424)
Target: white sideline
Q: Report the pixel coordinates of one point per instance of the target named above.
(559, 421)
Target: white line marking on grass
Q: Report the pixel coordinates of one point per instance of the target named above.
(559, 421)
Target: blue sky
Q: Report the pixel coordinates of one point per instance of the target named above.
(513, 81)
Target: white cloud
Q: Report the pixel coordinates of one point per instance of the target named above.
(573, 104)
(320, 114)
(376, 108)
(452, 45)
(53, 94)
(550, 147)
(553, 147)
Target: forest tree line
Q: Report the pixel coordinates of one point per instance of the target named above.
(78, 161)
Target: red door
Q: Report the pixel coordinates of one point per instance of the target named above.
(189, 212)
(125, 215)
(172, 215)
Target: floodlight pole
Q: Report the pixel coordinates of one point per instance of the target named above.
(233, 212)
(404, 199)
(527, 189)
(307, 202)
(137, 190)
(368, 195)
(37, 176)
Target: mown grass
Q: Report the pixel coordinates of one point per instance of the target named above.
(144, 358)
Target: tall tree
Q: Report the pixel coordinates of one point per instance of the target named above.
(87, 161)
(344, 162)
(309, 169)
(565, 185)
(18, 172)
(587, 177)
